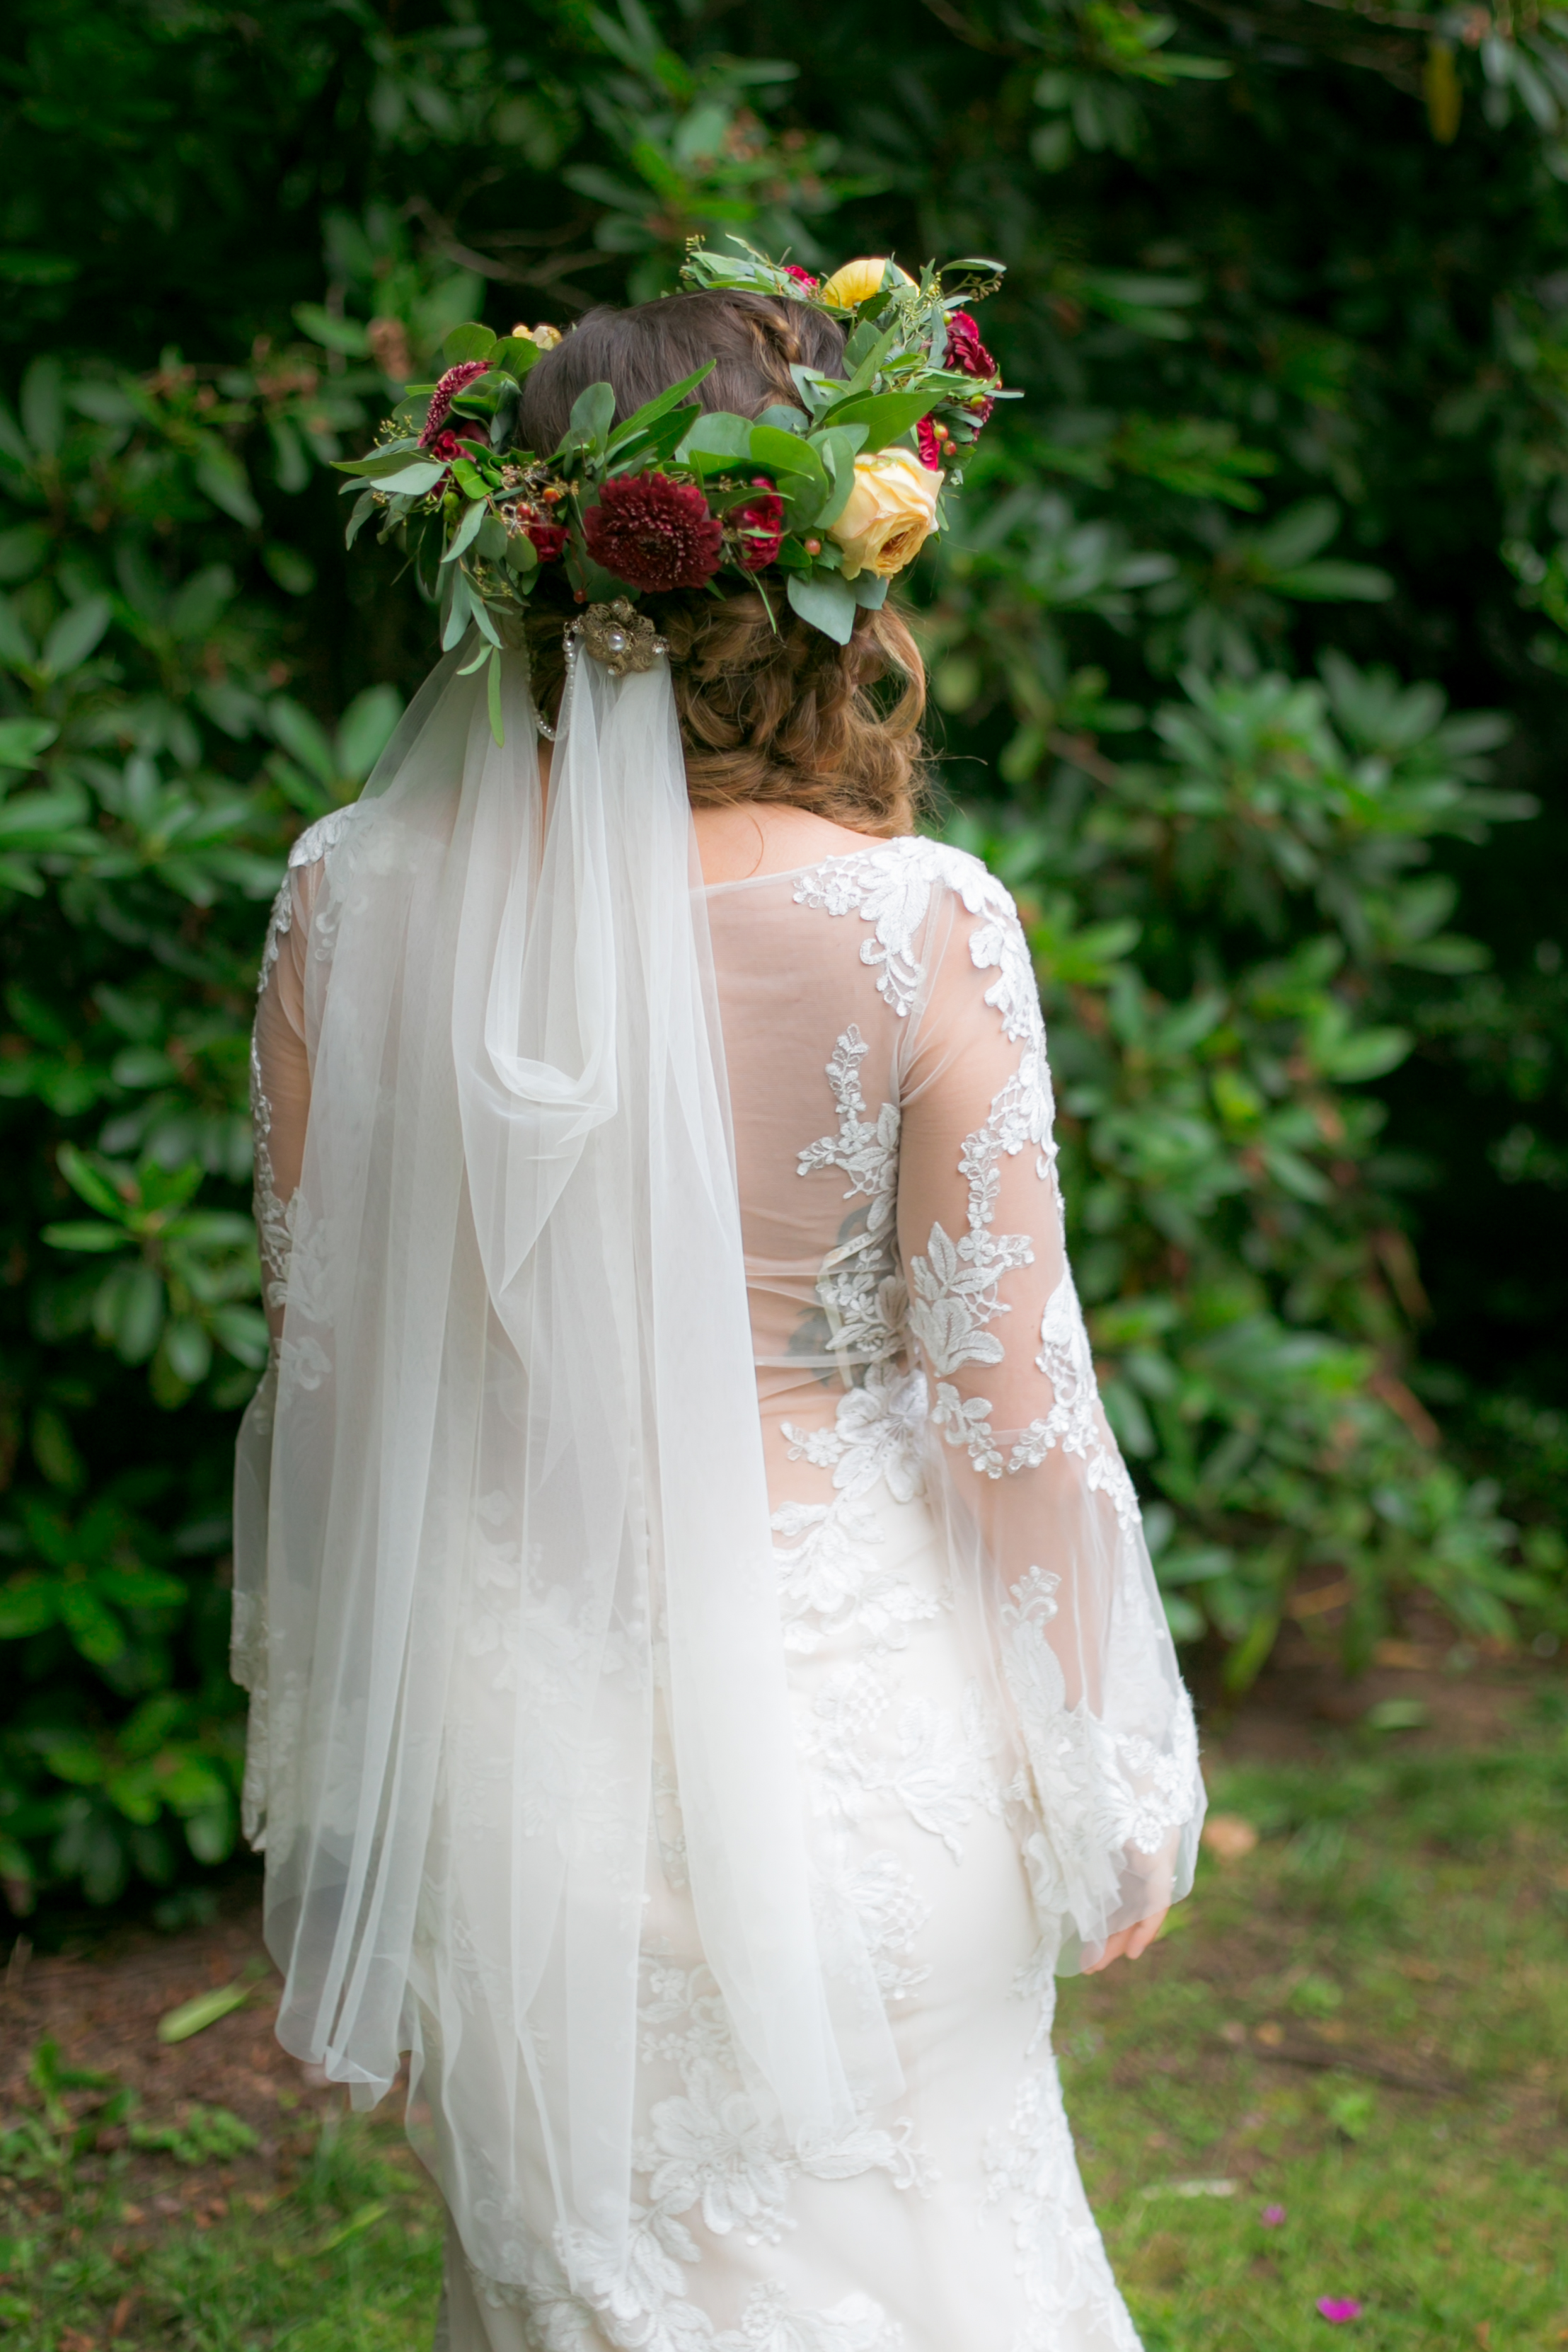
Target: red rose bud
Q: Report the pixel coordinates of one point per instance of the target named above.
(930, 447)
(441, 398)
(653, 532)
(762, 520)
(548, 538)
(967, 355)
(802, 277)
(965, 351)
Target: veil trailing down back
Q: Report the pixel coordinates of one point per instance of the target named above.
(707, 1678)
(516, 1296)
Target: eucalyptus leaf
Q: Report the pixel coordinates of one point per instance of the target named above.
(469, 341)
(514, 355)
(651, 410)
(364, 507)
(885, 414)
(412, 481)
(468, 531)
(717, 436)
(826, 602)
(866, 367)
(593, 414)
(459, 611)
(785, 452)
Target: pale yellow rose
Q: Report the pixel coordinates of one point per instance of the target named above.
(546, 336)
(889, 515)
(855, 281)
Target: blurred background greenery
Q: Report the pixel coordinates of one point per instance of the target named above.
(1250, 658)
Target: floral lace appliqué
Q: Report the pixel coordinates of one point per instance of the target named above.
(890, 888)
(1031, 2175)
(859, 1286)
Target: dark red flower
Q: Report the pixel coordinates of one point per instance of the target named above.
(653, 532)
(930, 447)
(441, 398)
(548, 538)
(762, 521)
(965, 351)
(447, 445)
(967, 355)
(802, 277)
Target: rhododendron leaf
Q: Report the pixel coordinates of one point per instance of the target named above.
(828, 603)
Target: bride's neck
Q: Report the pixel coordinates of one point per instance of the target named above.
(755, 837)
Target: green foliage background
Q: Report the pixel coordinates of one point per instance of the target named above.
(1250, 661)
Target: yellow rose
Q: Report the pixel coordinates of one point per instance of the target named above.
(890, 513)
(856, 281)
(546, 336)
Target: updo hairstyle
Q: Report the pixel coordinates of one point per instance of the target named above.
(765, 715)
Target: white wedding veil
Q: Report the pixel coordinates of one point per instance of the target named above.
(513, 1415)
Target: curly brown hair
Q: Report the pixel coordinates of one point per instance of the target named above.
(769, 708)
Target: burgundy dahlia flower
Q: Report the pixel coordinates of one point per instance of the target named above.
(762, 522)
(967, 355)
(653, 532)
(441, 398)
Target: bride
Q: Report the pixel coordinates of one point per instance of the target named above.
(707, 1677)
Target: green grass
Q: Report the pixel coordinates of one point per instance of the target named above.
(346, 2259)
(1405, 1915)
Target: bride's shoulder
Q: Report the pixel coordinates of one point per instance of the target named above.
(911, 862)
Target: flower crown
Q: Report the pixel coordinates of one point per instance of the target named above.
(823, 503)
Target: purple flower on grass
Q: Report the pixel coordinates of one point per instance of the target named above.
(1272, 2216)
(1338, 2308)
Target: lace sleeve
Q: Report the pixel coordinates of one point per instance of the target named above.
(280, 1107)
(1030, 1471)
(281, 1068)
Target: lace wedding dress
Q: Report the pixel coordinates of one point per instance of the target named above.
(996, 1755)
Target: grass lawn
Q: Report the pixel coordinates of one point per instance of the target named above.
(1341, 2075)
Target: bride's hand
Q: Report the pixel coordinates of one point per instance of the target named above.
(1129, 1945)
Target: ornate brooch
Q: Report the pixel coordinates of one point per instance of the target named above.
(620, 636)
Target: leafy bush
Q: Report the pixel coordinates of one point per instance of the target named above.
(1294, 441)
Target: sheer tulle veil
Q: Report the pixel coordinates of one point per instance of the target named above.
(516, 1362)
